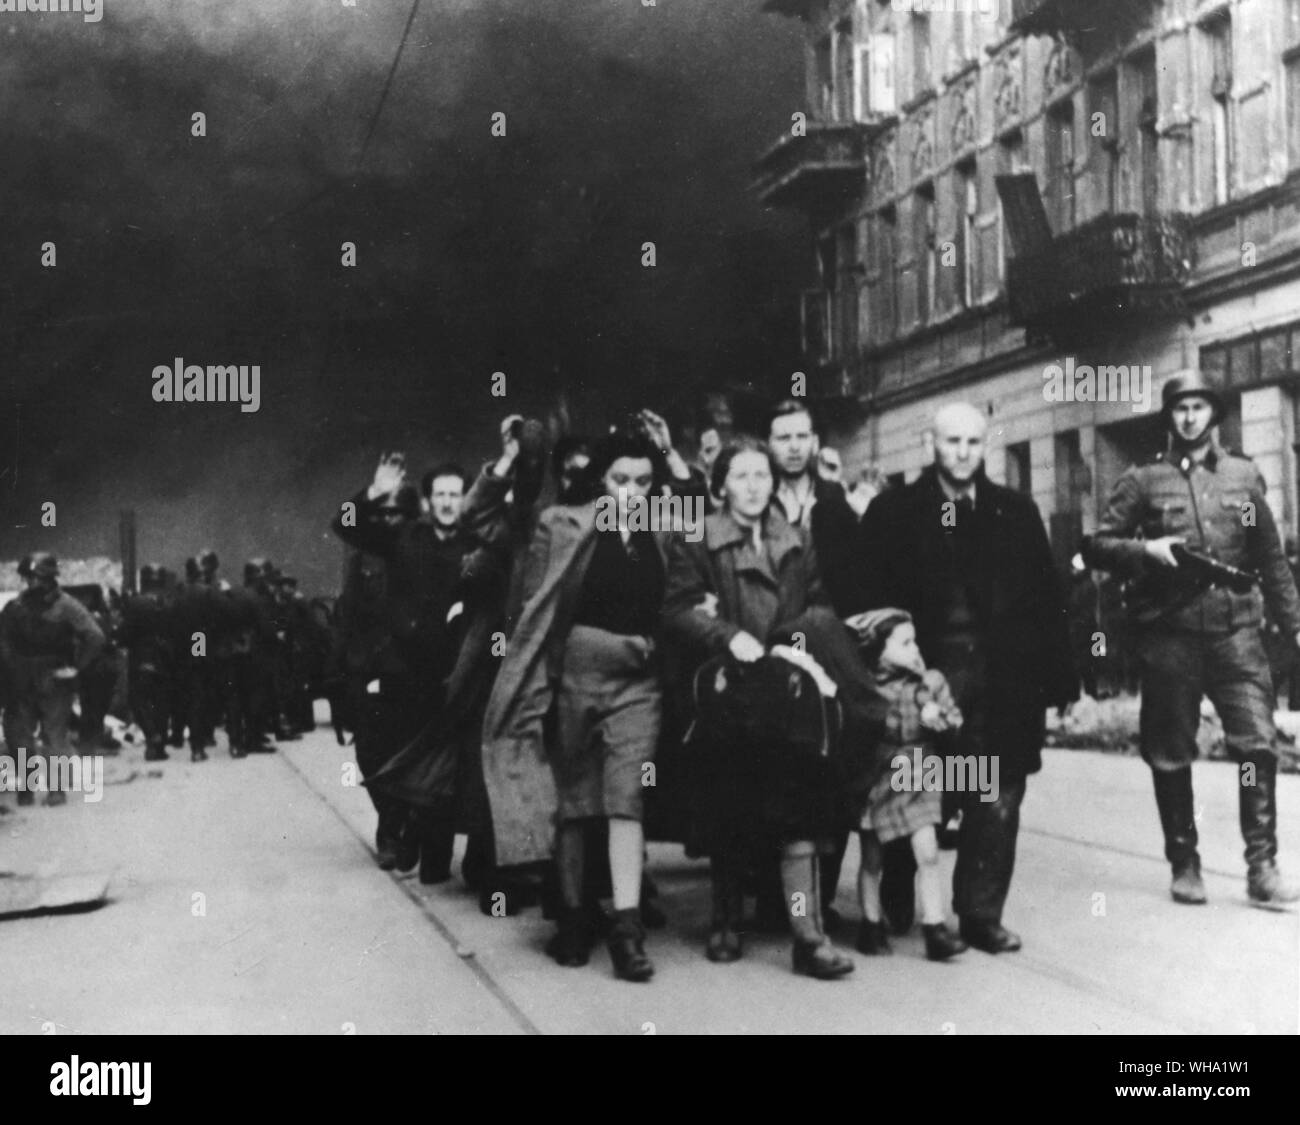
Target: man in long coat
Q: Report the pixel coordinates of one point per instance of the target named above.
(971, 562)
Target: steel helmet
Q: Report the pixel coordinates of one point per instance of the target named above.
(1187, 383)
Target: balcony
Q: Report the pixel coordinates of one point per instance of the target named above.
(1110, 270)
(1072, 18)
(823, 168)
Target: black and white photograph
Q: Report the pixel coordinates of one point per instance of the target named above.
(649, 518)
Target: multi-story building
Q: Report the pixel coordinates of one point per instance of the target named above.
(999, 187)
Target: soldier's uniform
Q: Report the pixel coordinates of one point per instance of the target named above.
(1194, 639)
(149, 636)
(41, 631)
(196, 622)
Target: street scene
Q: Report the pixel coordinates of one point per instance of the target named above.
(783, 522)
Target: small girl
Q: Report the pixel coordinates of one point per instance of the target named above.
(899, 804)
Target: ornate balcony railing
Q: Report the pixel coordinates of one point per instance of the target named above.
(1111, 268)
(825, 166)
(1069, 17)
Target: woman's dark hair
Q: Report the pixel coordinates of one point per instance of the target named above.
(627, 442)
(722, 466)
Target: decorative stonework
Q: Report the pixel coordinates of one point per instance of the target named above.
(884, 183)
(923, 153)
(1007, 89)
(1060, 69)
(963, 119)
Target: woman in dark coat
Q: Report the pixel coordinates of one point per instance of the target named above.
(730, 592)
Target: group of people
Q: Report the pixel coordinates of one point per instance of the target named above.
(559, 667)
(197, 653)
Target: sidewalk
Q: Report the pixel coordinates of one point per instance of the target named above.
(303, 933)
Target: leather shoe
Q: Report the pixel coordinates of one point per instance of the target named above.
(873, 939)
(990, 937)
(1267, 888)
(821, 961)
(724, 947)
(941, 943)
(1187, 886)
(627, 949)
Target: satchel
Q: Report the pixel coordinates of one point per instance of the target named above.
(770, 703)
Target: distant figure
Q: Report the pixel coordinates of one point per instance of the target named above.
(47, 639)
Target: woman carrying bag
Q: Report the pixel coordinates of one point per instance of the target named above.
(728, 593)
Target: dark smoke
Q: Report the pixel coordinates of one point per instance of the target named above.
(625, 125)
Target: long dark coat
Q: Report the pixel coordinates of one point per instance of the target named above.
(907, 559)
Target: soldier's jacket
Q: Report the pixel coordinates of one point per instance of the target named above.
(147, 630)
(39, 633)
(1218, 507)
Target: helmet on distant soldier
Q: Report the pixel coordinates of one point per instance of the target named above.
(208, 561)
(152, 577)
(1187, 383)
(192, 569)
(39, 564)
(257, 569)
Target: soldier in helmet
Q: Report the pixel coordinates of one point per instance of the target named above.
(150, 638)
(194, 618)
(47, 638)
(1198, 634)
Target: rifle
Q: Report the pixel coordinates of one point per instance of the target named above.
(1166, 590)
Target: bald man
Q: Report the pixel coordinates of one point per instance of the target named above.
(970, 561)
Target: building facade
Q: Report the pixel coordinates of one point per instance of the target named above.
(998, 189)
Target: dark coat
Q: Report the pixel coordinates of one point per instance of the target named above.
(755, 593)
(746, 793)
(906, 554)
(834, 538)
(516, 765)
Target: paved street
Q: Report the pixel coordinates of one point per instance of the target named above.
(297, 931)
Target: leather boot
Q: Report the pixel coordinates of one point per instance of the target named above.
(570, 946)
(1176, 805)
(813, 954)
(1257, 805)
(728, 904)
(941, 943)
(627, 947)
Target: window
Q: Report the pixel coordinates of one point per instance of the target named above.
(1060, 167)
(968, 203)
(843, 49)
(1018, 467)
(1219, 40)
(824, 79)
(1291, 57)
(922, 78)
(881, 259)
(1011, 159)
(874, 68)
(1147, 164)
(1073, 477)
(925, 243)
(845, 300)
(1104, 134)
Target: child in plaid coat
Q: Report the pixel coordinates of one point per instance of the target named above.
(906, 800)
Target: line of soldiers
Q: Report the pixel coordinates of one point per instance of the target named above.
(201, 650)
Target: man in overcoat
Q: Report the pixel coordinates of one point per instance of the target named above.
(971, 562)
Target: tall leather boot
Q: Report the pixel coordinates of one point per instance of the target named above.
(1176, 804)
(1257, 805)
(728, 906)
(814, 955)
